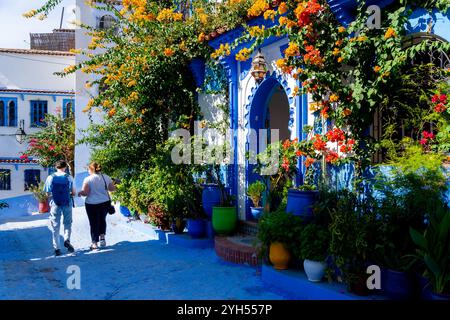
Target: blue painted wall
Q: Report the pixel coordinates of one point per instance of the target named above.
(20, 206)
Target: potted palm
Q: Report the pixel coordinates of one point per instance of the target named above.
(40, 195)
(255, 193)
(314, 244)
(433, 250)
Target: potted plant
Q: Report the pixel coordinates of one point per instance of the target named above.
(277, 232)
(353, 230)
(40, 195)
(224, 214)
(433, 250)
(314, 244)
(196, 222)
(405, 189)
(255, 193)
(224, 217)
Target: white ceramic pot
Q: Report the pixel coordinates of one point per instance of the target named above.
(314, 270)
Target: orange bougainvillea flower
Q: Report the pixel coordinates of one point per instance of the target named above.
(112, 112)
(283, 8)
(332, 157)
(298, 153)
(270, 15)
(319, 144)
(341, 29)
(377, 69)
(258, 7)
(340, 59)
(334, 98)
(243, 54)
(286, 144)
(346, 112)
(292, 51)
(168, 52)
(390, 33)
(201, 37)
(309, 161)
(324, 112)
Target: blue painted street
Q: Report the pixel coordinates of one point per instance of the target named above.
(134, 265)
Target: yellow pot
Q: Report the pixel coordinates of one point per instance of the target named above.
(279, 256)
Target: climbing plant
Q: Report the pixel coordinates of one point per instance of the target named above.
(347, 70)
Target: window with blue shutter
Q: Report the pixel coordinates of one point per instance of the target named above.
(2, 113)
(68, 107)
(8, 112)
(38, 111)
(5, 179)
(32, 178)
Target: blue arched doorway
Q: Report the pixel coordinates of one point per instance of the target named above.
(269, 108)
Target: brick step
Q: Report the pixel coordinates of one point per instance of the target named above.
(237, 249)
(248, 228)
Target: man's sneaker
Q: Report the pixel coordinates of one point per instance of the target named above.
(93, 247)
(69, 246)
(57, 252)
(102, 243)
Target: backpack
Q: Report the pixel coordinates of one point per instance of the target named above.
(61, 190)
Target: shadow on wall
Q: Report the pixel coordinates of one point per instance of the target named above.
(20, 206)
(436, 23)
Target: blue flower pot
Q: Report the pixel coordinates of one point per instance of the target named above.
(441, 297)
(210, 198)
(300, 203)
(197, 228)
(125, 211)
(256, 212)
(397, 285)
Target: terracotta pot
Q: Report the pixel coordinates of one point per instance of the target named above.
(44, 207)
(279, 255)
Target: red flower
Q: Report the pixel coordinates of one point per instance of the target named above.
(309, 161)
(345, 149)
(423, 141)
(443, 98)
(427, 135)
(351, 142)
(51, 148)
(285, 164)
(332, 157)
(298, 153)
(324, 112)
(336, 135)
(286, 144)
(440, 107)
(435, 98)
(319, 144)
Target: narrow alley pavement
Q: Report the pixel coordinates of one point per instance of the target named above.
(134, 265)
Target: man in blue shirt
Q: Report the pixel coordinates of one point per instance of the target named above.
(61, 188)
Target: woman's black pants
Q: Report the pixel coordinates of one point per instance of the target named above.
(97, 219)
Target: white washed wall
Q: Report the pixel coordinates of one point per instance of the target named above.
(17, 178)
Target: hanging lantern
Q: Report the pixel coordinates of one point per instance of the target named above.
(259, 67)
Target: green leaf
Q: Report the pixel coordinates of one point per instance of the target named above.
(418, 239)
